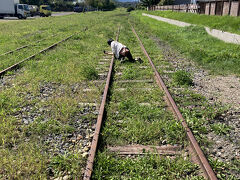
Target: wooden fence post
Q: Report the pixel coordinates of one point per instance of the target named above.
(238, 7)
(209, 10)
(215, 10)
(222, 7)
(230, 6)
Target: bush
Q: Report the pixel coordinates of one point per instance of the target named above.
(182, 78)
(89, 72)
(129, 9)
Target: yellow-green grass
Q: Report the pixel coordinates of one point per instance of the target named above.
(213, 54)
(24, 152)
(224, 23)
(197, 111)
(137, 114)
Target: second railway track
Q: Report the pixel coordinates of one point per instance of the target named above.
(2, 72)
(131, 94)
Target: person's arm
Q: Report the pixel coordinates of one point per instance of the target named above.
(108, 53)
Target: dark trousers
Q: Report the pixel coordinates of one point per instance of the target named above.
(128, 55)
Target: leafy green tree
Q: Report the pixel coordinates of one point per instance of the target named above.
(166, 2)
(148, 3)
(36, 2)
(101, 4)
(67, 5)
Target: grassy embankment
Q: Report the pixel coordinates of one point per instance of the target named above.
(39, 111)
(195, 43)
(224, 23)
(198, 113)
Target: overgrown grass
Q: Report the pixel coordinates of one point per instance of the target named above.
(196, 110)
(12, 58)
(182, 78)
(67, 163)
(137, 114)
(89, 71)
(110, 166)
(39, 107)
(224, 23)
(220, 129)
(195, 43)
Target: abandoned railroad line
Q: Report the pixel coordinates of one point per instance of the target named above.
(22, 47)
(194, 145)
(77, 113)
(14, 66)
(132, 150)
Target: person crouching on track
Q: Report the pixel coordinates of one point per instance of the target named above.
(120, 51)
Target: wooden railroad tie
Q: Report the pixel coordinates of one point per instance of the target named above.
(141, 149)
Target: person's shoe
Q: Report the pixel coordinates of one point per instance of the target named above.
(121, 60)
(140, 60)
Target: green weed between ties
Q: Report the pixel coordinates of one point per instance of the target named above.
(220, 129)
(89, 72)
(182, 78)
(110, 166)
(67, 163)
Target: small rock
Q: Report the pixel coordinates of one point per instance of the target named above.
(79, 137)
(84, 154)
(66, 177)
(85, 149)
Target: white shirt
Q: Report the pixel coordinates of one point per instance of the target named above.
(116, 48)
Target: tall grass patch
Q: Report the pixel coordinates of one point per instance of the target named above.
(224, 23)
(195, 43)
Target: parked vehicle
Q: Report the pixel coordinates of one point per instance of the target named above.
(45, 10)
(78, 9)
(34, 10)
(13, 8)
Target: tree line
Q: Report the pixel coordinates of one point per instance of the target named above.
(148, 3)
(68, 5)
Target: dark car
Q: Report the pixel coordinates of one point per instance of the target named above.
(78, 9)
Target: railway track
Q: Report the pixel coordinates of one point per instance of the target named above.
(194, 149)
(23, 47)
(14, 66)
(92, 152)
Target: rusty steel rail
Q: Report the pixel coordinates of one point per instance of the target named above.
(92, 152)
(32, 56)
(207, 169)
(22, 47)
